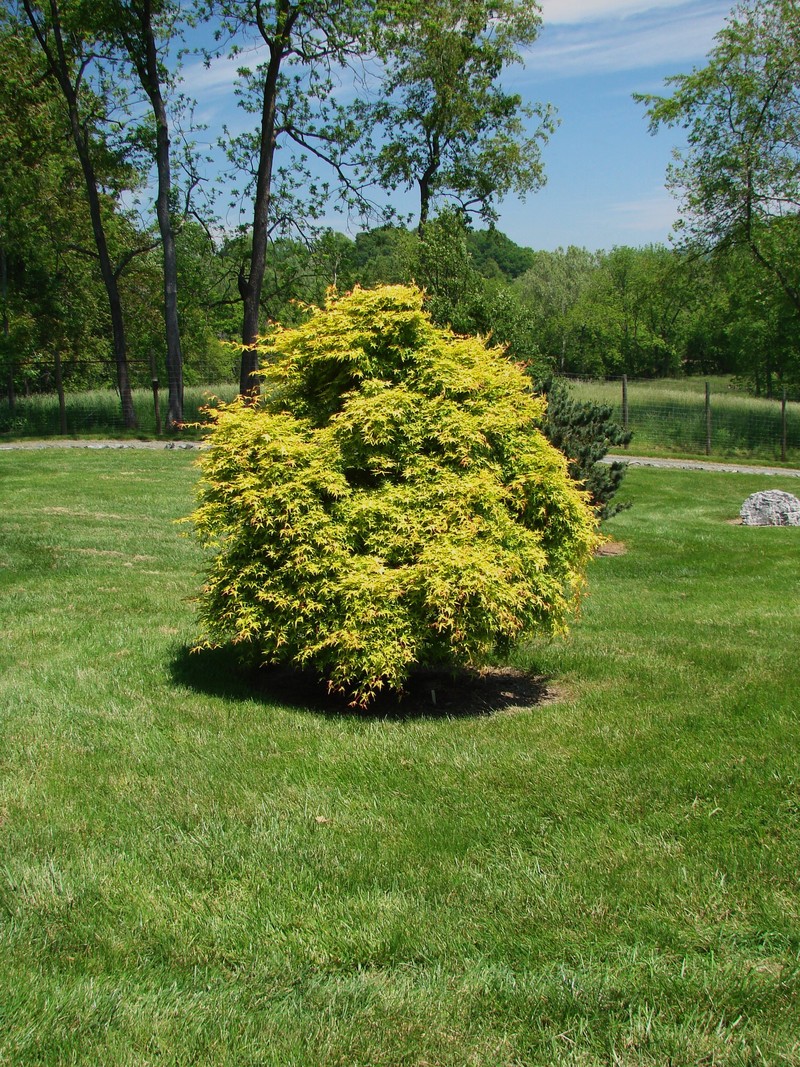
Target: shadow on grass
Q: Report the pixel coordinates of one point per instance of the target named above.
(429, 693)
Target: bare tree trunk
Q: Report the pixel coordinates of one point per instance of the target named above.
(12, 396)
(250, 286)
(147, 68)
(425, 183)
(109, 277)
(62, 404)
(61, 68)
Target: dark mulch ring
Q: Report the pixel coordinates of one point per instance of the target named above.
(428, 693)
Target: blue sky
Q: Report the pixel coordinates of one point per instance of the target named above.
(605, 171)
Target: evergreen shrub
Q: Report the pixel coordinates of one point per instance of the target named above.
(584, 431)
(388, 501)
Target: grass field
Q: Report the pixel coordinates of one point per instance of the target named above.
(97, 411)
(194, 872)
(667, 417)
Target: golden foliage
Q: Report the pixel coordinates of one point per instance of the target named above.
(388, 500)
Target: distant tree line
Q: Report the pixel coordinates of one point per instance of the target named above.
(645, 312)
(113, 255)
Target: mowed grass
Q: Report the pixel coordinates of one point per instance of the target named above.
(194, 873)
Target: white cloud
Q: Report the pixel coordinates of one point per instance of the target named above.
(220, 74)
(675, 37)
(559, 12)
(655, 212)
(218, 79)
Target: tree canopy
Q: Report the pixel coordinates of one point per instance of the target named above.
(448, 127)
(739, 176)
(97, 226)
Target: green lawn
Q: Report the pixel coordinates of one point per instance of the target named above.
(194, 873)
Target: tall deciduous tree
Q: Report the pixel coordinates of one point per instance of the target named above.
(33, 172)
(58, 28)
(740, 171)
(761, 327)
(143, 28)
(291, 92)
(51, 294)
(448, 126)
(551, 287)
(626, 319)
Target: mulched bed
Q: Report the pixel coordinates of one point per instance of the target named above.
(429, 693)
(611, 548)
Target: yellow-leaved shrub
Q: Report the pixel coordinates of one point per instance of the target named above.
(389, 500)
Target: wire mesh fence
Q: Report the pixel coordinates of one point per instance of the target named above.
(98, 411)
(699, 417)
(689, 416)
(42, 398)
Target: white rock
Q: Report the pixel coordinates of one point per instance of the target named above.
(771, 508)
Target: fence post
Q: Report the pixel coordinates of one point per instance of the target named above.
(154, 383)
(625, 404)
(6, 329)
(62, 407)
(708, 418)
(156, 407)
(783, 426)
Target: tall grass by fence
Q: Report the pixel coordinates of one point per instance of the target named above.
(667, 416)
(97, 411)
(670, 416)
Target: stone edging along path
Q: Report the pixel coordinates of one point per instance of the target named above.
(68, 442)
(701, 465)
(634, 461)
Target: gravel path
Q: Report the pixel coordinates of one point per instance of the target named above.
(702, 465)
(634, 461)
(66, 442)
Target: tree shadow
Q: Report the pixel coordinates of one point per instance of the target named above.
(429, 692)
